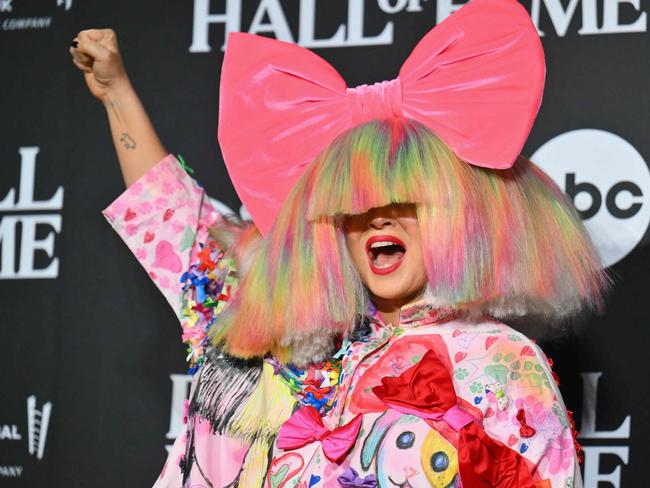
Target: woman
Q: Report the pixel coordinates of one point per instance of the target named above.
(353, 336)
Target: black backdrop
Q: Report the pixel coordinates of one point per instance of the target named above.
(90, 352)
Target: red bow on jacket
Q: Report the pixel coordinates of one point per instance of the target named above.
(427, 391)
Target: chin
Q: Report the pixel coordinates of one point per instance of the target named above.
(391, 292)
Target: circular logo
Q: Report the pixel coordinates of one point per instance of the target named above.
(608, 182)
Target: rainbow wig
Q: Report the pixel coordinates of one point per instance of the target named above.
(501, 242)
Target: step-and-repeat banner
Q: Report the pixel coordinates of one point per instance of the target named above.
(92, 382)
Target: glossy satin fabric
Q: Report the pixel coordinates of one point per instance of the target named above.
(425, 390)
(475, 80)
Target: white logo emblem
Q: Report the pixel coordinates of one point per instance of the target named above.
(37, 424)
(32, 21)
(270, 18)
(5, 6)
(9, 432)
(593, 463)
(20, 216)
(607, 180)
(64, 3)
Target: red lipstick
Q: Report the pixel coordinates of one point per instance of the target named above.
(395, 253)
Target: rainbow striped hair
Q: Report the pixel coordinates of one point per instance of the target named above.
(504, 242)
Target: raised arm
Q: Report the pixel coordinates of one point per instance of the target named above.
(137, 145)
(164, 215)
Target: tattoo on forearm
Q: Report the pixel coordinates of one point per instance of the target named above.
(128, 141)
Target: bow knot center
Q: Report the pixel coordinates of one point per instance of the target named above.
(382, 100)
(457, 417)
(321, 433)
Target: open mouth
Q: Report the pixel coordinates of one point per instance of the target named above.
(385, 253)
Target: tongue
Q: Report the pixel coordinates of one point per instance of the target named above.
(388, 258)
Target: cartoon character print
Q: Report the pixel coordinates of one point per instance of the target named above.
(395, 444)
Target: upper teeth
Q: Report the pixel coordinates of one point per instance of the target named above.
(377, 244)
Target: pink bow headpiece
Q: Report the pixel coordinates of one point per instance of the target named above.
(475, 80)
(306, 426)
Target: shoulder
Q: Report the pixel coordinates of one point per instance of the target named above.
(488, 352)
(508, 378)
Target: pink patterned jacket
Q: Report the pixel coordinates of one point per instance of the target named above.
(498, 378)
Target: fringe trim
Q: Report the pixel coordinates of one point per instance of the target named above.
(224, 385)
(242, 399)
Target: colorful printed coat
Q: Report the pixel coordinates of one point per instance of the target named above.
(435, 401)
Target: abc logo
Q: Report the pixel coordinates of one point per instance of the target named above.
(608, 182)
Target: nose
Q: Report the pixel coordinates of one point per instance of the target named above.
(380, 220)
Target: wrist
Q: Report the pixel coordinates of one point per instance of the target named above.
(118, 89)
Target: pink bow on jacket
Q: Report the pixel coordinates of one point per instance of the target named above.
(306, 426)
(475, 80)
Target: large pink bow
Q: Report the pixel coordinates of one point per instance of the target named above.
(475, 80)
(306, 426)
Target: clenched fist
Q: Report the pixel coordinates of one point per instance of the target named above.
(98, 56)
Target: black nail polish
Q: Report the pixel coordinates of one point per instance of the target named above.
(74, 43)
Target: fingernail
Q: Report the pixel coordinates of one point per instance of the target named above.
(74, 43)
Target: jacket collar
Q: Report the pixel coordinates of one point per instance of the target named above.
(417, 314)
